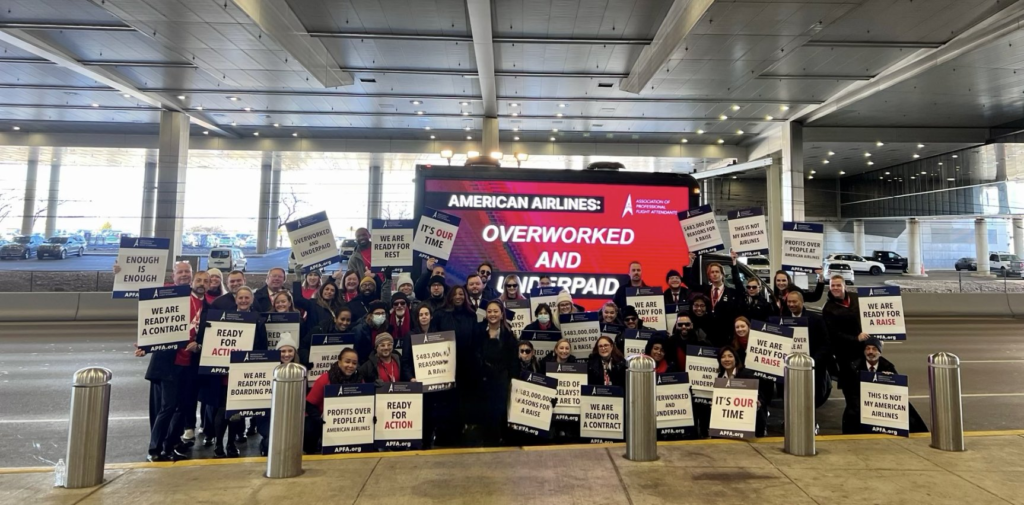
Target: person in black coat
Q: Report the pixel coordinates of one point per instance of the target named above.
(818, 346)
(543, 320)
(872, 361)
(322, 309)
(528, 362)
(456, 407)
(486, 273)
(370, 371)
(606, 364)
(261, 297)
(658, 349)
(561, 354)
(366, 330)
(704, 322)
(634, 280)
(783, 283)
(730, 365)
(684, 334)
(753, 305)
(496, 363)
(842, 319)
(676, 293)
(441, 418)
(723, 301)
(426, 279)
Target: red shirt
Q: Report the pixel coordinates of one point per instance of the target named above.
(184, 356)
(662, 366)
(308, 293)
(388, 372)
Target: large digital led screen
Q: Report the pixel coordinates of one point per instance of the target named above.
(582, 228)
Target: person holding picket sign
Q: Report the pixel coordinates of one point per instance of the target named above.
(543, 320)
(783, 284)
(528, 362)
(496, 362)
(704, 322)
(657, 348)
(289, 348)
(344, 371)
(561, 354)
(513, 289)
(606, 364)
(730, 365)
(384, 362)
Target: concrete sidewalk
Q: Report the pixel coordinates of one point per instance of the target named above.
(869, 469)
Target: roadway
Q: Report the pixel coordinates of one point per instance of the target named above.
(39, 359)
(104, 262)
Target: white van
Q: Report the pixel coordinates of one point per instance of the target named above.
(226, 259)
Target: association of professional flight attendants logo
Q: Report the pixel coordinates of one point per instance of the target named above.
(628, 208)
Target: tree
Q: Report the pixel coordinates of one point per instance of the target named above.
(42, 212)
(289, 205)
(6, 206)
(396, 210)
(107, 226)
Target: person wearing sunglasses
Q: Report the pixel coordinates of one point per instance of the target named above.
(512, 289)
(401, 321)
(486, 273)
(754, 306)
(631, 319)
(684, 334)
(528, 359)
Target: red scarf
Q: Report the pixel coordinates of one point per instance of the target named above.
(184, 356)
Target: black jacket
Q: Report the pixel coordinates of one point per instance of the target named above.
(595, 372)
(684, 296)
(422, 287)
(261, 301)
(225, 302)
(463, 323)
(316, 314)
(535, 326)
(553, 358)
(843, 324)
(620, 294)
(817, 336)
(408, 365)
(365, 334)
(495, 364)
(370, 374)
(489, 294)
(755, 308)
(723, 312)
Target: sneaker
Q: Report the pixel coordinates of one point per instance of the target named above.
(208, 440)
(157, 458)
(240, 438)
(232, 451)
(180, 452)
(218, 453)
(190, 435)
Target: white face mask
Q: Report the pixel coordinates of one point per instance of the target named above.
(543, 319)
(378, 320)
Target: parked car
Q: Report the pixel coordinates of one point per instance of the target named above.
(348, 248)
(760, 265)
(242, 238)
(840, 268)
(857, 263)
(112, 239)
(190, 240)
(21, 247)
(891, 260)
(966, 264)
(1005, 263)
(226, 259)
(61, 247)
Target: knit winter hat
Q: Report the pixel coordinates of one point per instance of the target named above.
(383, 337)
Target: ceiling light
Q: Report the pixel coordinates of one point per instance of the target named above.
(16, 128)
(515, 138)
(206, 132)
(955, 156)
(810, 176)
(514, 114)
(826, 162)
(554, 130)
(420, 113)
(913, 177)
(295, 135)
(830, 153)
(552, 139)
(871, 163)
(468, 137)
(522, 156)
(247, 109)
(467, 128)
(95, 105)
(233, 98)
(768, 118)
(920, 146)
(255, 134)
(887, 173)
(950, 179)
(562, 105)
(416, 102)
(700, 132)
(734, 177)
(842, 172)
(432, 137)
(867, 155)
(940, 163)
(720, 141)
(463, 103)
(685, 141)
(515, 128)
(917, 155)
(723, 117)
(513, 104)
(181, 97)
(126, 95)
(879, 144)
(277, 125)
(234, 123)
(447, 154)
(496, 155)
(426, 128)
(924, 173)
(472, 154)
(739, 132)
(783, 107)
(464, 113)
(199, 107)
(559, 114)
(735, 107)
(813, 172)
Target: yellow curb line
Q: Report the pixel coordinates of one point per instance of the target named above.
(489, 450)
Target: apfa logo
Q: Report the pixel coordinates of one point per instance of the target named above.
(628, 208)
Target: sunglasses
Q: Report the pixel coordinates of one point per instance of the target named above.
(525, 351)
(751, 287)
(631, 318)
(484, 273)
(399, 304)
(683, 325)
(511, 285)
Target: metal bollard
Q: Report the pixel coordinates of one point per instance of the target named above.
(287, 415)
(799, 415)
(641, 420)
(87, 429)
(947, 409)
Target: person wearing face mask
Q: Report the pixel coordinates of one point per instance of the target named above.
(400, 320)
(513, 289)
(496, 362)
(676, 292)
(424, 287)
(289, 349)
(561, 354)
(658, 349)
(486, 273)
(842, 320)
(311, 284)
(366, 331)
(871, 360)
(783, 283)
(606, 364)
(684, 334)
(543, 320)
(226, 301)
(344, 371)
(730, 365)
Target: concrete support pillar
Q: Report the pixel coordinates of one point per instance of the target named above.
(774, 217)
(858, 237)
(785, 188)
(148, 212)
(915, 261)
(275, 204)
(376, 193)
(981, 248)
(172, 165)
(490, 140)
(1017, 232)
(263, 219)
(53, 199)
(31, 179)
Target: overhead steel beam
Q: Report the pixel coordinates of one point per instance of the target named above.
(77, 107)
(1002, 23)
(873, 44)
(680, 20)
(496, 40)
(817, 77)
(478, 116)
(473, 74)
(102, 63)
(67, 26)
(896, 135)
(483, 48)
(38, 47)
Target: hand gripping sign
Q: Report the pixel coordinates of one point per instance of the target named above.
(734, 408)
(602, 413)
(547, 296)
(802, 246)
(435, 235)
(142, 262)
(700, 230)
(530, 404)
(635, 341)
(748, 232)
(392, 244)
(249, 382)
(227, 331)
(570, 377)
(520, 315)
(348, 418)
(434, 357)
(313, 242)
(881, 313)
(399, 416)
(164, 318)
(324, 350)
(884, 406)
